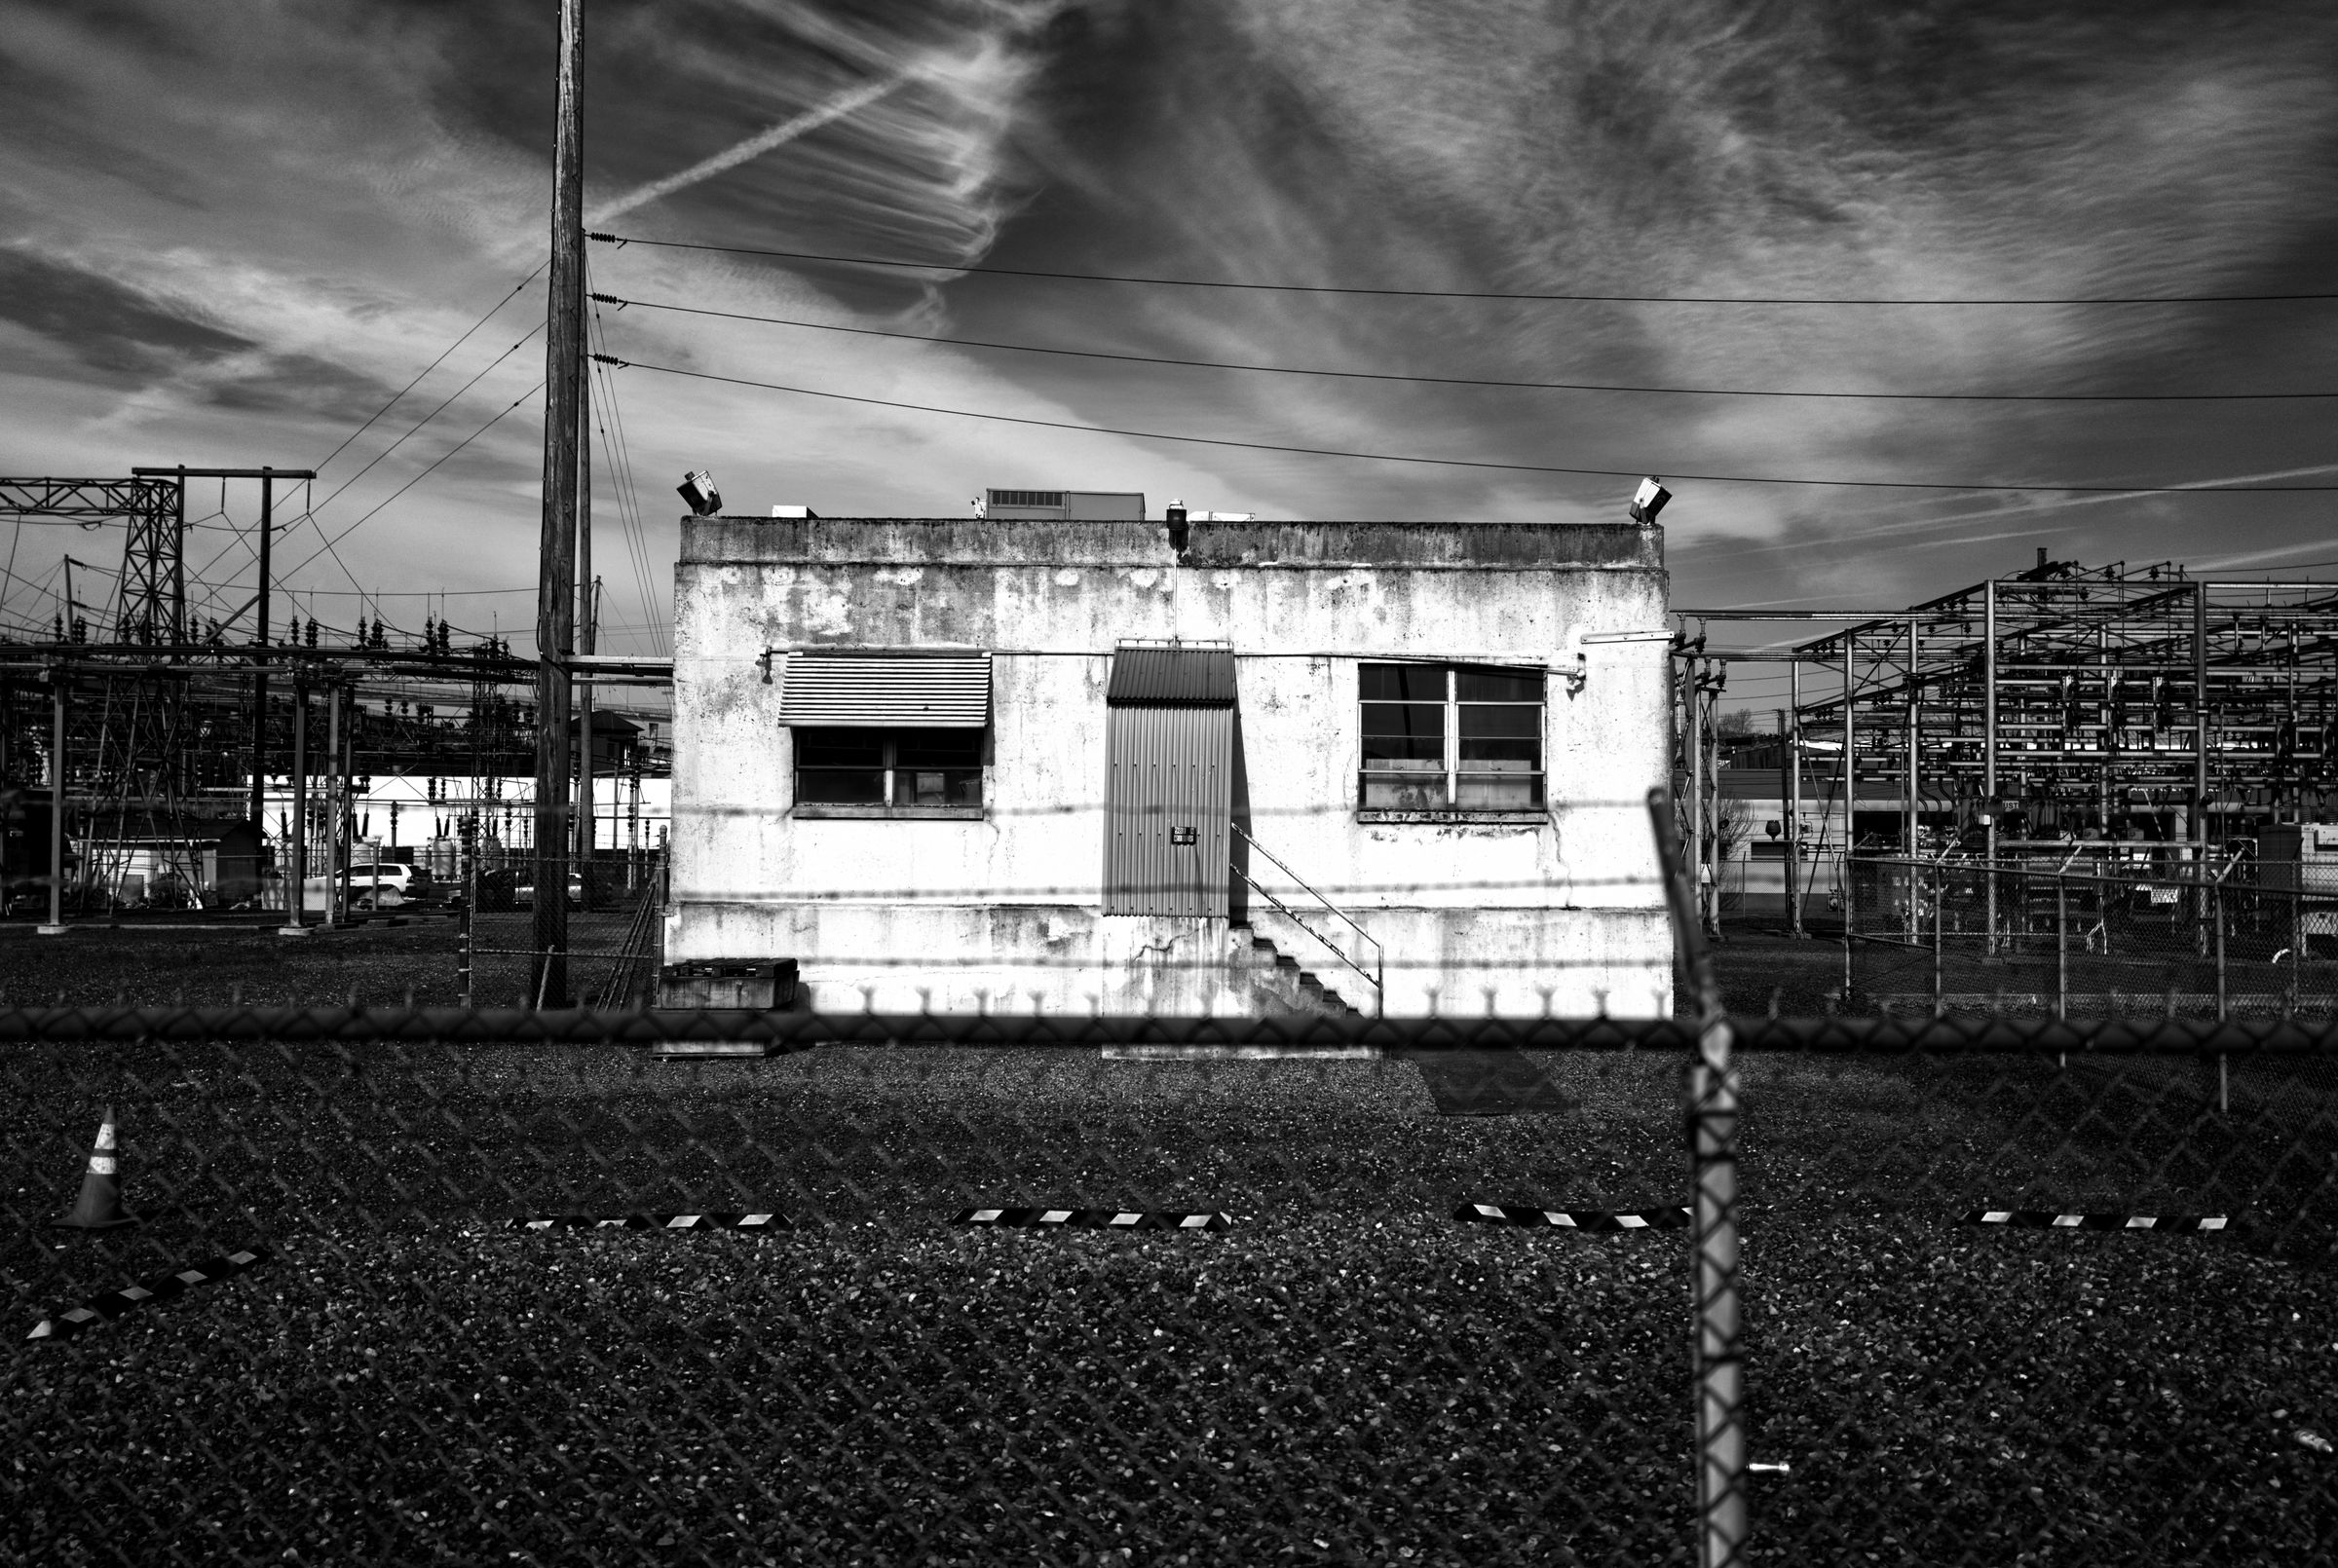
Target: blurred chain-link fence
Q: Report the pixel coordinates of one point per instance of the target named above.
(630, 1285)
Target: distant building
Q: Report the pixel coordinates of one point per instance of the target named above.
(617, 740)
(1055, 762)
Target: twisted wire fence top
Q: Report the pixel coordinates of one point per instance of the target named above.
(1963, 1033)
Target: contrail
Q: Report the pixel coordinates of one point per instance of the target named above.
(753, 147)
(2011, 514)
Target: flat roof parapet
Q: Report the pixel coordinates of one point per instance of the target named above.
(1052, 541)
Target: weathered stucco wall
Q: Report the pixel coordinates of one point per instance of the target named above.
(1559, 911)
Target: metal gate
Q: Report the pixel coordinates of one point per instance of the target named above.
(1169, 790)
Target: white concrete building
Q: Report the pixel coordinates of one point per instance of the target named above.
(1065, 765)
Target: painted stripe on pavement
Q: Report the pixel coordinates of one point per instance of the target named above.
(161, 1288)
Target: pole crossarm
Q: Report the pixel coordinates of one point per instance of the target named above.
(188, 658)
(227, 474)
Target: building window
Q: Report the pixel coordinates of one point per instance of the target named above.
(1450, 738)
(889, 771)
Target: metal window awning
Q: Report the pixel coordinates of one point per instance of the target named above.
(888, 691)
(1145, 676)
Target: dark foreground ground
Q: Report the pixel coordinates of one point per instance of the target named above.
(1347, 1375)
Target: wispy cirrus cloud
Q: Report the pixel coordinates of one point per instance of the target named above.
(237, 230)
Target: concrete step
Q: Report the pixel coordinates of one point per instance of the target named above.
(1288, 987)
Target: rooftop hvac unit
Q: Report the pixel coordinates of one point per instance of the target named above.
(1075, 505)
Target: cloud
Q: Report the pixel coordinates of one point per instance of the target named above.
(244, 225)
(108, 326)
(755, 147)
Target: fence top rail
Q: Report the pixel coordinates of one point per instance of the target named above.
(798, 1032)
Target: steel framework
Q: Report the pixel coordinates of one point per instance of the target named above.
(2084, 713)
(2072, 703)
(153, 602)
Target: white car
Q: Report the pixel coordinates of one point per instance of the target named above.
(382, 886)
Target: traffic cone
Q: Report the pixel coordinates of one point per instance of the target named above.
(100, 1206)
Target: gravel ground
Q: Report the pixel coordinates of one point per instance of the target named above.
(150, 965)
(1341, 1390)
(1347, 1376)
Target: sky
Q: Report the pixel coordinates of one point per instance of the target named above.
(231, 234)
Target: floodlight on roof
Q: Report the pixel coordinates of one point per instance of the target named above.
(697, 489)
(1649, 499)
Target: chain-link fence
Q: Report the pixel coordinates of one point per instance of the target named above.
(2047, 935)
(616, 939)
(629, 1286)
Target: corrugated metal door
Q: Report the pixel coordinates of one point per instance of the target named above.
(1168, 801)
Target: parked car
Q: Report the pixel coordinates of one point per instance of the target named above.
(385, 886)
(409, 884)
(523, 893)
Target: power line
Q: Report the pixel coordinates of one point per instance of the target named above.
(1443, 293)
(653, 604)
(1479, 381)
(1467, 462)
(332, 541)
(417, 426)
(436, 363)
(606, 424)
(619, 449)
(397, 593)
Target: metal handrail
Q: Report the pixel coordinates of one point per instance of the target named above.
(1379, 957)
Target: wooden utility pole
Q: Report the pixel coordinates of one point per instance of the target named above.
(178, 566)
(588, 631)
(1696, 791)
(336, 805)
(1796, 881)
(296, 829)
(60, 675)
(259, 668)
(557, 579)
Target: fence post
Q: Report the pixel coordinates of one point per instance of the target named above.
(2216, 909)
(2062, 946)
(2297, 941)
(1989, 907)
(1712, 1113)
(1940, 897)
(462, 951)
(1844, 881)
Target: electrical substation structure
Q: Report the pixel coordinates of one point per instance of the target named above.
(2134, 724)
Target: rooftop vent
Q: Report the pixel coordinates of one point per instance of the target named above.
(1077, 506)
